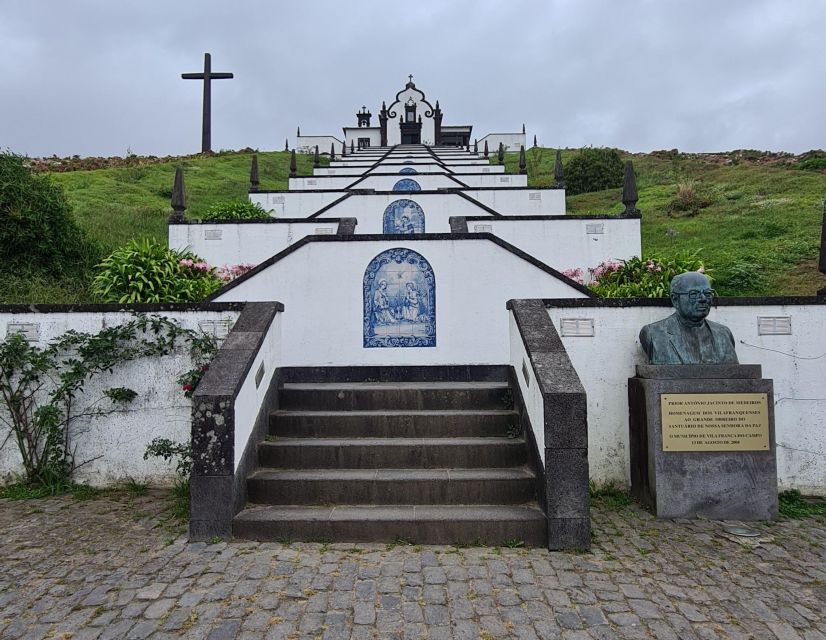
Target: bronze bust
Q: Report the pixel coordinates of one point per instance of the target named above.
(686, 337)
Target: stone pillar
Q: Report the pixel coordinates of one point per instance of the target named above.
(712, 470)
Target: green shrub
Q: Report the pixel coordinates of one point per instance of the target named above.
(641, 278)
(815, 161)
(235, 211)
(593, 170)
(147, 271)
(37, 231)
(689, 199)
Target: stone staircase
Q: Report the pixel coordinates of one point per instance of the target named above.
(430, 462)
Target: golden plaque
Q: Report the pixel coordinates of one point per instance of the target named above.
(715, 421)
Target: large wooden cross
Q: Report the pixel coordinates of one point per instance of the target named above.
(207, 76)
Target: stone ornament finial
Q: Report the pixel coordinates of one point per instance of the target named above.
(293, 165)
(500, 154)
(316, 159)
(286, 144)
(298, 131)
(486, 149)
(254, 173)
(178, 198)
(629, 190)
(534, 141)
(332, 151)
(343, 149)
(559, 175)
(475, 146)
(523, 165)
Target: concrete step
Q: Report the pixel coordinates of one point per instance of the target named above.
(392, 486)
(394, 424)
(432, 524)
(360, 396)
(391, 453)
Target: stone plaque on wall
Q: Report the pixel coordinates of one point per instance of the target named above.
(715, 421)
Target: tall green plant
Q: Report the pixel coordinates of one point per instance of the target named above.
(235, 211)
(593, 169)
(37, 231)
(642, 278)
(148, 271)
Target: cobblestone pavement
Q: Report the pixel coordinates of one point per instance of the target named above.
(114, 567)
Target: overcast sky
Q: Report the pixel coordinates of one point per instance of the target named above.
(98, 77)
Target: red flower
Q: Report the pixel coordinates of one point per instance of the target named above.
(205, 368)
(188, 387)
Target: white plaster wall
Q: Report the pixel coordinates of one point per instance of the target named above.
(393, 168)
(119, 439)
(251, 397)
(248, 242)
(297, 204)
(492, 181)
(522, 202)
(474, 280)
(531, 395)
(352, 134)
(438, 207)
(511, 142)
(796, 363)
(307, 144)
(564, 243)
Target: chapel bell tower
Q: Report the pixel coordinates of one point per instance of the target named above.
(364, 117)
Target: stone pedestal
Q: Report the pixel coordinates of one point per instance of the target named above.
(718, 484)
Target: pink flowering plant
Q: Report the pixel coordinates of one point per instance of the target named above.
(641, 277)
(149, 271)
(228, 272)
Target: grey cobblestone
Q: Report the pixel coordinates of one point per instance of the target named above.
(117, 575)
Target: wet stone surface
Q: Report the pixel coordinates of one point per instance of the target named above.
(119, 567)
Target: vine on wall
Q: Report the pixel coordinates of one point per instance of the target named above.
(39, 388)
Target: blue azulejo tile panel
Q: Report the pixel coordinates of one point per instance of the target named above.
(406, 184)
(399, 300)
(408, 171)
(403, 216)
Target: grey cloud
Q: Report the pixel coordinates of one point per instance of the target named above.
(95, 77)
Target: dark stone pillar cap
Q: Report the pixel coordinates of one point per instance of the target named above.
(693, 371)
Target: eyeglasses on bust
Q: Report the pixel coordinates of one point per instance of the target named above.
(694, 294)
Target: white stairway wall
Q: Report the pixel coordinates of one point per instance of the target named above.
(474, 280)
(796, 363)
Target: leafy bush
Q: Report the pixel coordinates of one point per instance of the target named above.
(593, 170)
(641, 278)
(37, 231)
(814, 161)
(147, 271)
(689, 199)
(235, 211)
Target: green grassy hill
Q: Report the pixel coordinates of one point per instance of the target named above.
(758, 226)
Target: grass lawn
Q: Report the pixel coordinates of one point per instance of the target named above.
(758, 233)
